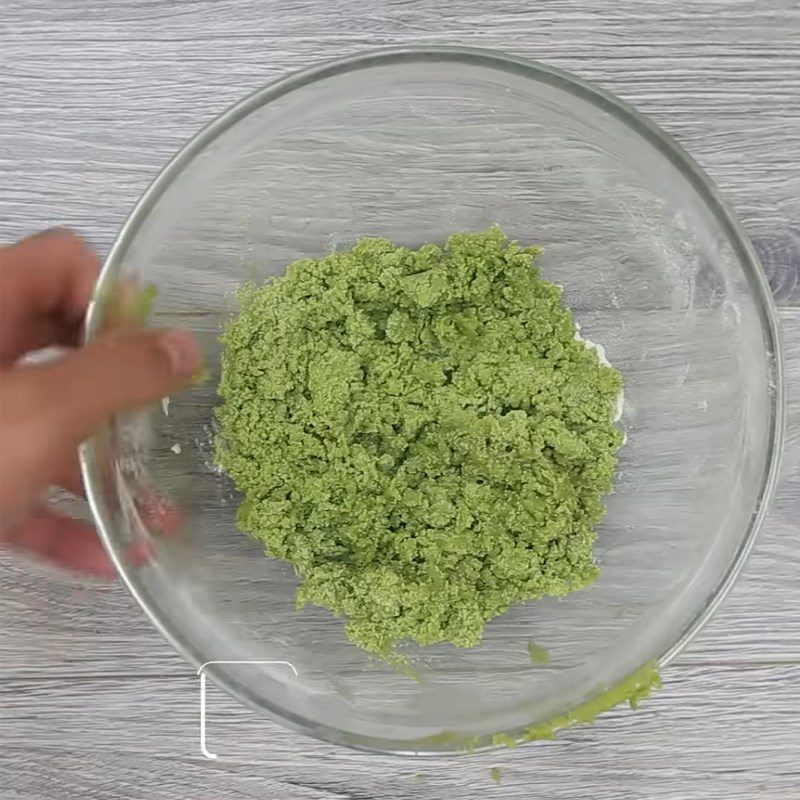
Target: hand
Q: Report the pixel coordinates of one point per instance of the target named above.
(48, 409)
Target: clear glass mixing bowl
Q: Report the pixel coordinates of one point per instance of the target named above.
(413, 145)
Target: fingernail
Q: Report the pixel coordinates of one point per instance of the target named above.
(183, 352)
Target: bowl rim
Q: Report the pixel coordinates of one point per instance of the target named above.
(536, 71)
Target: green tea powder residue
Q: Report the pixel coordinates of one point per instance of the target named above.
(420, 433)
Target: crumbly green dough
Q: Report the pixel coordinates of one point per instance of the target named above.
(420, 433)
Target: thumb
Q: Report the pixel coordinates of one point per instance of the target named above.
(119, 372)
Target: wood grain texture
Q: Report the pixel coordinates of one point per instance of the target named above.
(125, 84)
(95, 96)
(131, 738)
(99, 735)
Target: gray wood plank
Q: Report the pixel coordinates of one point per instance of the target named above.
(124, 87)
(126, 739)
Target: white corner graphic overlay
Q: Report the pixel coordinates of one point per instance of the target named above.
(201, 672)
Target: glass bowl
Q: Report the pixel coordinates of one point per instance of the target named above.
(412, 145)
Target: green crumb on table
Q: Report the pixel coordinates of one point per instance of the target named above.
(494, 773)
(538, 654)
(419, 433)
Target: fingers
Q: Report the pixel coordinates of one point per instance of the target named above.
(63, 541)
(116, 373)
(49, 408)
(46, 281)
(160, 516)
(73, 545)
(69, 476)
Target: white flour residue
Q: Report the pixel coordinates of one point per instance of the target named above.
(601, 355)
(205, 444)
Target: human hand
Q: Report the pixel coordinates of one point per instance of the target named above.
(48, 409)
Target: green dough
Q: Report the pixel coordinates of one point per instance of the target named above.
(631, 690)
(420, 433)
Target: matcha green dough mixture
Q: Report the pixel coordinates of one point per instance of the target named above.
(420, 433)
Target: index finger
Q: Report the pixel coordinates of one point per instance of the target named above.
(46, 282)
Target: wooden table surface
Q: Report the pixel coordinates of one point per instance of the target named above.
(96, 95)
